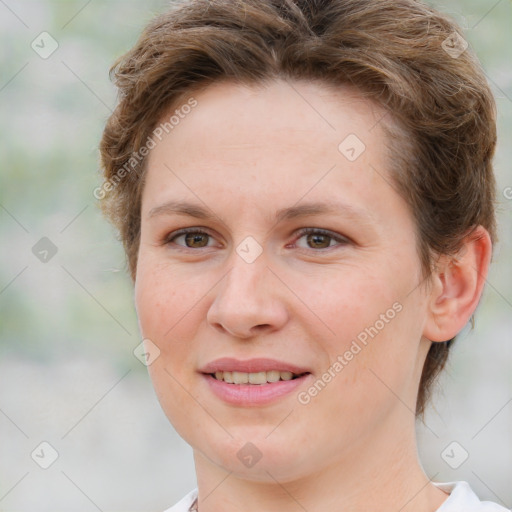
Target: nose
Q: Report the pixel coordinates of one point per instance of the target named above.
(250, 300)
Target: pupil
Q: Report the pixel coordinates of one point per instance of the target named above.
(315, 239)
(193, 238)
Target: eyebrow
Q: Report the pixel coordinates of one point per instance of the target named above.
(293, 212)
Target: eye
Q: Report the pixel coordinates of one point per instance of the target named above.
(197, 238)
(194, 238)
(321, 238)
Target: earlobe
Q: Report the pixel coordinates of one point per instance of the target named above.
(457, 286)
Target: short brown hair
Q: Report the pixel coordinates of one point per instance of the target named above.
(401, 54)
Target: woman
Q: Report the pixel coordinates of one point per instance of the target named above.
(305, 193)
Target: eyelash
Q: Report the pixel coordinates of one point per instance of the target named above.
(305, 231)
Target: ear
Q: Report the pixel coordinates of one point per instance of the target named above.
(457, 284)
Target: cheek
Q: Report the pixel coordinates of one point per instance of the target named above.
(165, 314)
(371, 328)
(164, 299)
(153, 302)
(162, 305)
(346, 303)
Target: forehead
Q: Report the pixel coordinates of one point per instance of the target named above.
(277, 112)
(271, 144)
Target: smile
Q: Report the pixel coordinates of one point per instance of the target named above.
(253, 382)
(257, 378)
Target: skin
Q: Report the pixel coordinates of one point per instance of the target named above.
(244, 153)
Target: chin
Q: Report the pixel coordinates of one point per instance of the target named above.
(252, 453)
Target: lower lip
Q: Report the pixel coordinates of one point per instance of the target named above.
(253, 394)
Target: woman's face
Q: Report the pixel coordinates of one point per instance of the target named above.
(341, 306)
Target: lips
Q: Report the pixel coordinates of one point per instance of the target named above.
(256, 365)
(253, 382)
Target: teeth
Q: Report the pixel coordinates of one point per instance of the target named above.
(240, 378)
(257, 378)
(273, 376)
(253, 378)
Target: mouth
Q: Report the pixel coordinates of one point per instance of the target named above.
(253, 382)
(256, 378)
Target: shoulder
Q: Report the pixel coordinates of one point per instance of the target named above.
(462, 498)
(184, 504)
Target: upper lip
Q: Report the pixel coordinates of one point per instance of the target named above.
(260, 364)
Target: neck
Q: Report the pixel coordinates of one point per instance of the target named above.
(375, 475)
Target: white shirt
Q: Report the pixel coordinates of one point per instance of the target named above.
(461, 499)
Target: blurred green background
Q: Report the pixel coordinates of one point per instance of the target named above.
(68, 375)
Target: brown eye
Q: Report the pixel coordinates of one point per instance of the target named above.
(194, 239)
(321, 239)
